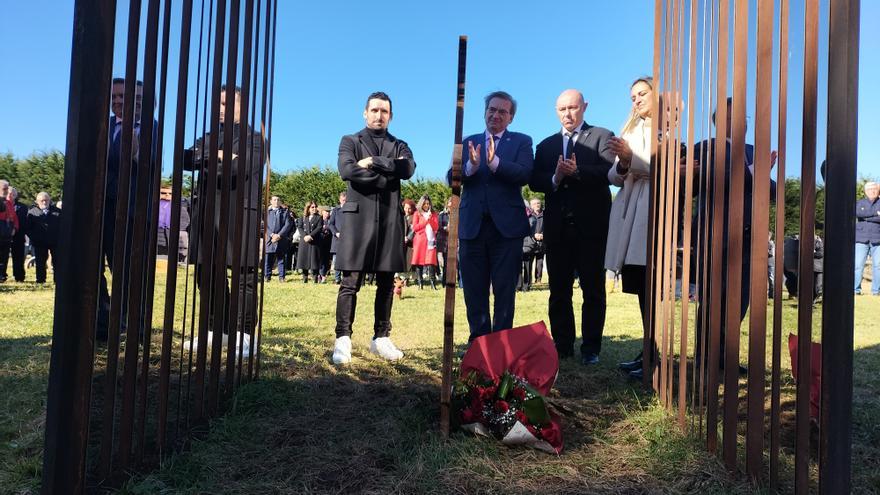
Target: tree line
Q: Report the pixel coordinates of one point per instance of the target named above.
(44, 171)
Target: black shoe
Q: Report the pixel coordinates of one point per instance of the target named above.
(588, 359)
(636, 374)
(565, 353)
(633, 365)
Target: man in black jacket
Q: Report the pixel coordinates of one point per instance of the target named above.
(335, 227)
(278, 227)
(43, 224)
(245, 142)
(372, 162)
(571, 168)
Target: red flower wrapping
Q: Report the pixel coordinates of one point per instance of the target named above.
(467, 416)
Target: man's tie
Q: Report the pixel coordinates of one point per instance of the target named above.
(569, 146)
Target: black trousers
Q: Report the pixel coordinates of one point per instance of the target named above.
(16, 247)
(586, 256)
(539, 267)
(346, 303)
(41, 253)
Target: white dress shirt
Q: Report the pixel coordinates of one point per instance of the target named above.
(470, 169)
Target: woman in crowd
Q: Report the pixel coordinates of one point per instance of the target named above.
(309, 252)
(409, 208)
(425, 225)
(325, 244)
(628, 227)
(443, 239)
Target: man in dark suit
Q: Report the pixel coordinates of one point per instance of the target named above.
(705, 163)
(244, 141)
(492, 219)
(278, 227)
(571, 168)
(44, 222)
(335, 227)
(372, 162)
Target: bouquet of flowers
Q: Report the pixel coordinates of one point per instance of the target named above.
(501, 386)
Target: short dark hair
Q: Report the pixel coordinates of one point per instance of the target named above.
(504, 96)
(378, 95)
(729, 104)
(237, 89)
(121, 80)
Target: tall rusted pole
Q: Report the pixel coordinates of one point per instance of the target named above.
(452, 245)
(76, 292)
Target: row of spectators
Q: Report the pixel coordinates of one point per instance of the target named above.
(27, 229)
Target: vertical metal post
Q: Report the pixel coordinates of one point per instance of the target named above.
(76, 293)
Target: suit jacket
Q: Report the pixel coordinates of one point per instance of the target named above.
(43, 228)
(278, 222)
(334, 224)
(499, 194)
(373, 228)
(587, 199)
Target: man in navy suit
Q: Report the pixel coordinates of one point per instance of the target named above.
(492, 220)
(278, 226)
(571, 168)
(335, 226)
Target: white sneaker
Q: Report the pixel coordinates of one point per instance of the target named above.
(342, 350)
(385, 348)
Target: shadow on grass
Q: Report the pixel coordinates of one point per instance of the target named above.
(372, 427)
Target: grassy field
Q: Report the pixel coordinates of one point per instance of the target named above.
(371, 427)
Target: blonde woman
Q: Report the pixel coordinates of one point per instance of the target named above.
(626, 251)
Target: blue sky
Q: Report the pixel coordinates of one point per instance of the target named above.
(332, 54)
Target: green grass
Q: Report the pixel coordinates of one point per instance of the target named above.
(372, 427)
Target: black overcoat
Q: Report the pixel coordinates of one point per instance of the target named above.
(309, 254)
(372, 236)
(197, 159)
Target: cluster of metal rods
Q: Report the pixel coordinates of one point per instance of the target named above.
(699, 223)
(103, 419)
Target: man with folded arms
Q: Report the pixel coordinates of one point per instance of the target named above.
(371, 239)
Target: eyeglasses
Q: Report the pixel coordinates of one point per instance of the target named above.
(500, 111)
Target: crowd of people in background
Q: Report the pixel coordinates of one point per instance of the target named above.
(306, 243)
(28, 233)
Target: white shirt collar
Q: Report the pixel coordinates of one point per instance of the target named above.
(576, 130)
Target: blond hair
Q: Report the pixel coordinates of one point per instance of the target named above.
(634, 117)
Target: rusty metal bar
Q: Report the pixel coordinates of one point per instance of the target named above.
(805, 259)
(208, 185)
(663, 214)
(268, 155)
(776, 358)
(76, 293)
(174, 240)
(719, 210)
(735, 234)
(243, 182)
(452, 247)
(650, 264)
(835, 450)
(686, 229)
(119, 242)
(760, 228)
(221, 288)
(136, 273)
(249, 303)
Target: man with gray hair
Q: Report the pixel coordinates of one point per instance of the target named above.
(868, 237)
(43, 224)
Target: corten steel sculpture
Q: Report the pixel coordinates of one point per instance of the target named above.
(718, 216)
(452, 244)
(104, 419)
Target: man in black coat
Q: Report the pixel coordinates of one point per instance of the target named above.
(372, 162)
(244, 141)
(335, 227)
(44, 220)
(278, 227)
(571, 168)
